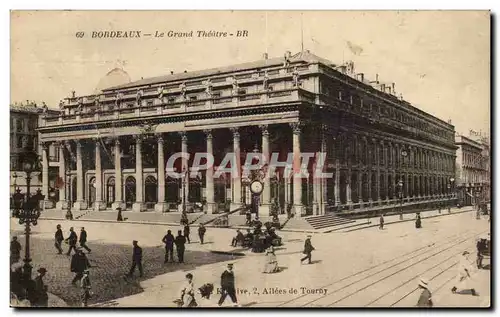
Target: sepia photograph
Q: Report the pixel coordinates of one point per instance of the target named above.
(250, 159)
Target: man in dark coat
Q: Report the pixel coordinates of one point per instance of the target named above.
(83, 240)
(86, 288)
(72, 240)
(40, 298)
(308, 248)
(169, 239)
(136, 259)
(119, 217)
(58, 239)
(381, 222)
(79, 263)
(15, 250)
(227, 285)
(180, 242)
(201, 232)
(186, 232)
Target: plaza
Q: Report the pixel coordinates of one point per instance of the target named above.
(377, 268)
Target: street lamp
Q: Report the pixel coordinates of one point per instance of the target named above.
(28, 210)
(69, 214)
(400, 184)
(450, 186)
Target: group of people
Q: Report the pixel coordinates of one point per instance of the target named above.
(227, 282)
(71, 240)
(258, 240)
(180, 242)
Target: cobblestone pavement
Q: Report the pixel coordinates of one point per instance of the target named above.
(109, 264)
(368, 268)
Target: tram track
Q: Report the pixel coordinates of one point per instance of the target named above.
(412, 254)
(384, 277)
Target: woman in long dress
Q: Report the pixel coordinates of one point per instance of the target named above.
(187, 292)
(271, 261)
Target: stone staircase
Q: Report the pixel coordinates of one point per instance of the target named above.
(327, 221)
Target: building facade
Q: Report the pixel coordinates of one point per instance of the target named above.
(473, 171)
(24, 121)
(381, 150)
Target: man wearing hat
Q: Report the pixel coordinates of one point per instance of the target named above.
(40, 297)
(83, 240)
(72, 240)
(59, 238)
(79, 263)
(308, 248)
(136, 259)
(15, 250)
(425, 299)
(463, 274)
(227, 285)
(86, 286)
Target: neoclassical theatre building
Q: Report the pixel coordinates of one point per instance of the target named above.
(112, 147)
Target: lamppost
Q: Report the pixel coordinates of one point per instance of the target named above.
(69, 214)
(400, 185)
(28, 210)
(185, 172)
(450, 190)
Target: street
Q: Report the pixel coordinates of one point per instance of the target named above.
(365, 268)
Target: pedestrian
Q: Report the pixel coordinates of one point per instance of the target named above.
(86, 288)
(186, 232)
(40, 295)
(201, 232)
(79, 263)
(481, 247)
(418, 221)
(58, 239)
(119, 217)
(308, 248)
(15, 250)
(381, 222)
(136, 259)
(238, 238)
(169, 239)
(187, 292)
(425, 299)
(180, 242)
(71, 240)
(227, 285)
(271, 261)
(463, 274)
(83, 240)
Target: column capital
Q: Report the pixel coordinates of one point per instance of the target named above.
(208, 133)
(183, 135)
(138, 138)
(159, 137)
(78, 144)
(44, 145)
(235, 132)
(264, 129)
(296, 127)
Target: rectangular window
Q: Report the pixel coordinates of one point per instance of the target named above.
(216, 94)
(20, 142)
(270, 88)
(171, 100)
(20, 125)
(242, 91)
(193, 98)
(149, 104)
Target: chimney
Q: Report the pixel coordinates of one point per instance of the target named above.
(171, 72)
(388, 90)
(288, 54)
(265, 56)
(382, 87)
(361, 77)
(393, 88)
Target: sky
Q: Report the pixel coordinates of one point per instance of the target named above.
(439, 60)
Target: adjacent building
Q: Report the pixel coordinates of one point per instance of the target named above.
(24, 121)
(381, 150)
(472, 170)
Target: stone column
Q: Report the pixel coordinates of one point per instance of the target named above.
(236, 178)
(389, 169)
(118, 203)
(45, 176)
(80, 203)
(62, 204)
(337, 182)
(264, 209)
(184, 180)
(161, 205)
(297, 180)
(360, 188)
(138, 205)
(209, 176)
(99, 204)
(377, 151)
(322, 182)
